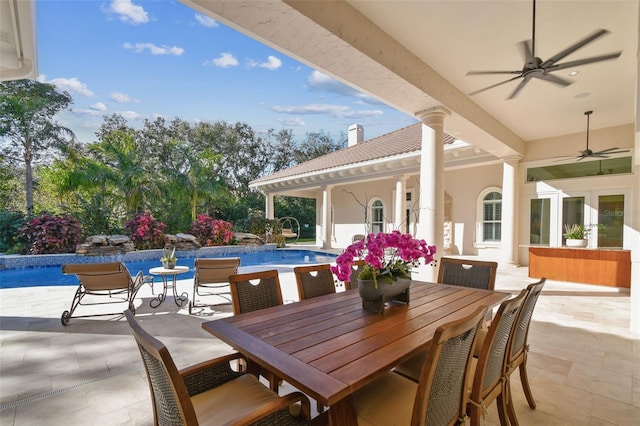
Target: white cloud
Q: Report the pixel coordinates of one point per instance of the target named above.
(99, 106)
(86, 112)
(225, 60)
(311, 109)
(130, 115)
(153, 49)
(272, 63)
(72, 85)
(129, 12)
(121, 97)
(206, 21)
(338, 111)
(291, 122)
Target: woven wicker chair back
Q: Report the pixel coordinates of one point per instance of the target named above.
(442, 395)
(356, 268)
(467, 273)
(253, 291)
(524, 319)
(314, 280)
(171, 402)
(493, 357)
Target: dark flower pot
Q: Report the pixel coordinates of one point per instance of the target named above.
(374, 299)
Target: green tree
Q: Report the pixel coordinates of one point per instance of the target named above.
(119, 151)
(11, 190)
(27, 127)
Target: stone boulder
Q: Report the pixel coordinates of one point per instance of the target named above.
(105, 245)
(246, 239)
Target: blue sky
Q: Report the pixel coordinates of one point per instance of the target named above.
(144, 59)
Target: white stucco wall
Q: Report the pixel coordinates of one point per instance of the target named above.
(464, 186)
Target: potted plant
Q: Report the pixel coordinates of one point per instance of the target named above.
(169, 258)
(388, 259)
(576, 235)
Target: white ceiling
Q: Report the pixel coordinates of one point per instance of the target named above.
(456, 36)
(414, 55)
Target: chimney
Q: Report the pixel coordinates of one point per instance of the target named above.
(356, 134)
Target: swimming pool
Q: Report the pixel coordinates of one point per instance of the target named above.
(53, 276)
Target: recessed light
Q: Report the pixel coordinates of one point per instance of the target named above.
(582, 95)
(572, 73)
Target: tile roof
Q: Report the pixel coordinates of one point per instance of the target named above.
(402, 141)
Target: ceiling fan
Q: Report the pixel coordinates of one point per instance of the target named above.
(587, 153)
(535, 67)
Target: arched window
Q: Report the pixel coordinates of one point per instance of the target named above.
(491, 216)
(377, 216)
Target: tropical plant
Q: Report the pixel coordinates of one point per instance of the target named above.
(10, 222)
(211, 232)
(387, 256)
(576, 231)
(145, 231)
(169, 255)
(49, 234)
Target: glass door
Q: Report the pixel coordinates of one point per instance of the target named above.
(572, 213)
(610, 220)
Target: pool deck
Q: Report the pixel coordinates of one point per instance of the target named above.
(584, 363)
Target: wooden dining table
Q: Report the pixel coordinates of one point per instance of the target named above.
(329, 347)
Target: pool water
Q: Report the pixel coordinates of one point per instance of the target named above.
(53, 276)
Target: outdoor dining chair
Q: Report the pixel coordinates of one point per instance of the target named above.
(356, 268)
(520, 348)
(314, 280)
(211, 392)
(439, 397)
(211, 278)
(467, 273)
(253, 291)
(488, 378)
(104, 283)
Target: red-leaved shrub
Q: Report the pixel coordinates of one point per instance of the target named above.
(145, 231)
(49, 234)
(211, 232)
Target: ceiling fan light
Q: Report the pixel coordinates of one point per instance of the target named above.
(574, 73)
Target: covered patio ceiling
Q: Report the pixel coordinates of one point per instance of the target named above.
(414, 55)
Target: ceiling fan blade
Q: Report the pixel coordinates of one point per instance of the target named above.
(552, 60)
(519, 87)
(551, 78)
(525, 47)
(492, 72)
(579, 62)
(611, 151)
(494, 85)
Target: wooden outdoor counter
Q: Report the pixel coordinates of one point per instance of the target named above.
(581, 265)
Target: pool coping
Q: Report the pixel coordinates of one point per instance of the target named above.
(16, 261)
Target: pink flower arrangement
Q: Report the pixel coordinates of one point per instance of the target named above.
(387, 256)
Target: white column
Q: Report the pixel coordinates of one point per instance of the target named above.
(326, 217)
(635, 221)
(509, 239)
(400, 203)
(431, 199)
(268, 206)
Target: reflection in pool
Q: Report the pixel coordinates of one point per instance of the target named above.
(52, 275)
